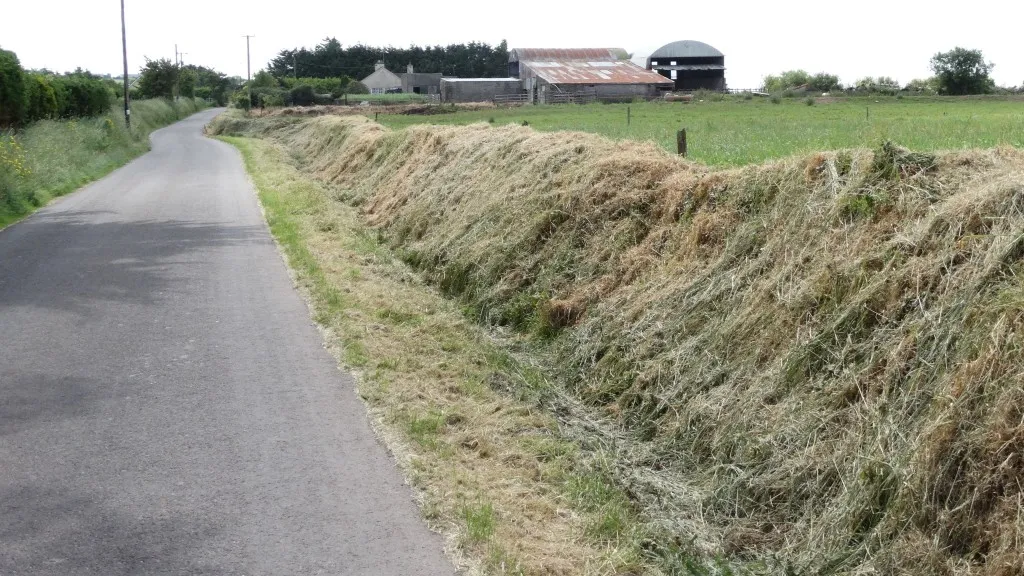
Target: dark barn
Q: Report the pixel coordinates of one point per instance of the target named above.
(691, 65)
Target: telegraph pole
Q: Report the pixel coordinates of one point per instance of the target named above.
(124, 53)
(175, 54)
(248, 66)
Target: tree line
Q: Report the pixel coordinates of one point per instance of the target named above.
(956, 73)
(165, 79)
(330, 59)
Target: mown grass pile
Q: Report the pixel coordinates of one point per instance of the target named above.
(813, 366)
(53, 157)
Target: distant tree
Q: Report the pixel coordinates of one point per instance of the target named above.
(330, 59)
(159, 79)
(211, 84)
(788, 80)
(962, 71)
(13, 101)
(264, 79)
(822, 82)
(923, 85)
(187, 79)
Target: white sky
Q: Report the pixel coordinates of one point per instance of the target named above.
(852, 39)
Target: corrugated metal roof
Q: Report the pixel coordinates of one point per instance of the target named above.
(593, 72)
(522, 54)
(686, 49)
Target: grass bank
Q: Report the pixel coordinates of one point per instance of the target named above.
(735, 132)
(809, 366)
(53, 157)
(456, 405)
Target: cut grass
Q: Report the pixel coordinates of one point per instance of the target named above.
(51, 158)
(455, 406)
(813, 366)
(735, 132)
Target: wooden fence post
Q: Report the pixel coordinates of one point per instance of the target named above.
(628, 114)
(681, 142)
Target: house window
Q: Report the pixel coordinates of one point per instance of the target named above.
(654, 62)
(376, 90)
(672, 63)
(673, 75)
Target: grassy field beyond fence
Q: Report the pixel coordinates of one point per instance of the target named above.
(53, 157)
(734, 132)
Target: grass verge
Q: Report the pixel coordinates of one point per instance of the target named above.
(51, 158)
(810, 366)
(456, 406)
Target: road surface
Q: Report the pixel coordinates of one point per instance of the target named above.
(166, 405)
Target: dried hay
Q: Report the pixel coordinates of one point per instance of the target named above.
(817, 363)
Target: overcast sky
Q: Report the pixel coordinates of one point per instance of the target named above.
(852, 39)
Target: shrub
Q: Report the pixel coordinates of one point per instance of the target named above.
(271, 99)
(13, 103)
(302, 95)
(42, 100)
(776, 99)
(241, 100)
(356, 87)
(263, 96)
(809, 101)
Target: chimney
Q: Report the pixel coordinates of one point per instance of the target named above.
(379, 65)
(409, 68)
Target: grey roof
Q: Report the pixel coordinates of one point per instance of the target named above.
(687, 49)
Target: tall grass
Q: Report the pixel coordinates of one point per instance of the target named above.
(811, 366)
(53, 157)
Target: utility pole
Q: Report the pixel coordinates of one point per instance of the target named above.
(175, 54)
(295, 66)
(124, 53)
(248, 66)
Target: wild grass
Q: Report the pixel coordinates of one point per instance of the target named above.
(494, 474)
(809, 366)
(50, 158)
(736, 132)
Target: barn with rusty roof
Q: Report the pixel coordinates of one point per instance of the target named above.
(690, 65)
(580, 74)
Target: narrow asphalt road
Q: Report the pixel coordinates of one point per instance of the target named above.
(166, 405)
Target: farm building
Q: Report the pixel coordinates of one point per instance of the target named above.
(420, 82)
(690, 65)
(478, 89)
(548, 73)
(382, 80)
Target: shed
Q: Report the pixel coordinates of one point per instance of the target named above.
(607, 79)
(382, 80)
(691, 65)
(420, 82)
(478, 89)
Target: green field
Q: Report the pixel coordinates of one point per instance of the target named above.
(735, 131)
